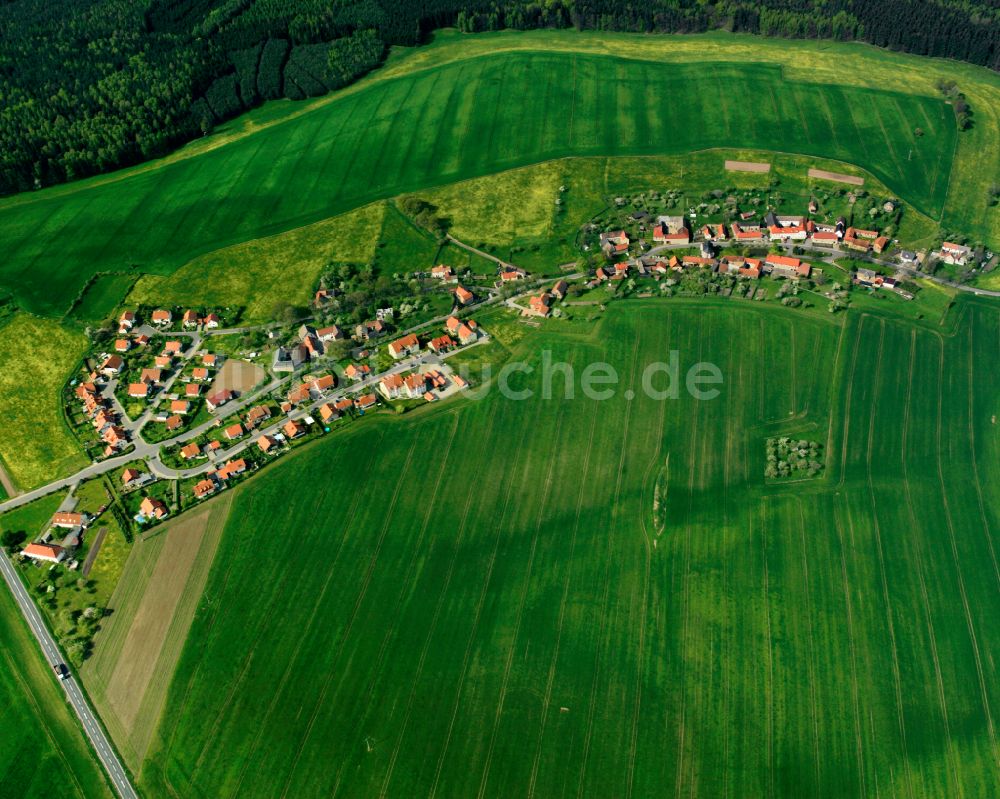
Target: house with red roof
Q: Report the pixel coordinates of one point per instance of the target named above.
(365, 402)
(231, 469)
(219, 399)
(50, 553)
(407, 345)
(138, 390)
(357, 372)
(234, 431)
(190, 319)
(161, 317)
(463, 295)
(441, 344)
(151, 508)
(122, 345)
(293, 429)
(786, 266)
(204, 488)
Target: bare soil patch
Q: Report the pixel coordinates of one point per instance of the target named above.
(837, 177)
(747, 166)
(239, 376)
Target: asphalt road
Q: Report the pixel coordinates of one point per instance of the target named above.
(99, 741)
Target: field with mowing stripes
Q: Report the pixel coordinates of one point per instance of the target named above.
(476, 600)
(466, 118)
(43, 753)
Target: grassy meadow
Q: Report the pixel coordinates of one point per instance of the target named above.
(43, 753)
(36, 355)
(465, 118)
(481, 599)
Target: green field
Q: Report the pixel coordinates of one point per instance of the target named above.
(36, 358)
(476, 113)
(43, 754)
(477, 599)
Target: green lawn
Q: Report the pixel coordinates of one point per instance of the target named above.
(476, 601)
(467, 118)
(43, 754)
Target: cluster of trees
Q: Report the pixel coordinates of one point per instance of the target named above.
(963, 114)
(92, 85)
(789, 457)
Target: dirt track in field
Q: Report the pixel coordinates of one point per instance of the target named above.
(747, 166)
(836, 176)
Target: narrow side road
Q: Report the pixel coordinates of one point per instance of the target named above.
(99, 741)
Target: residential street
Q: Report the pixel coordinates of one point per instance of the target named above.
(99, 741)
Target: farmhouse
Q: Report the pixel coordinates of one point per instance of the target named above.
(539, 305)
(614, 243)
(880, 244)
(50, 553)
(747, 233)
(784, 266)
(510, 275)
(69, 520)
(787, 232)
(443, 272)
(559, 289)
(824, 238)
(463, 295)
(694, 262)
(957, 254)
(404, 346)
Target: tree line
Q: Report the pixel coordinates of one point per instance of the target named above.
(88, 86)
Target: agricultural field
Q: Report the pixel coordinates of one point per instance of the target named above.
(36, 356)
(43, 753)
(605, 596)
(531, 99)
(153, 605)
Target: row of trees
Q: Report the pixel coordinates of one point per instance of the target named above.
(94, 85)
